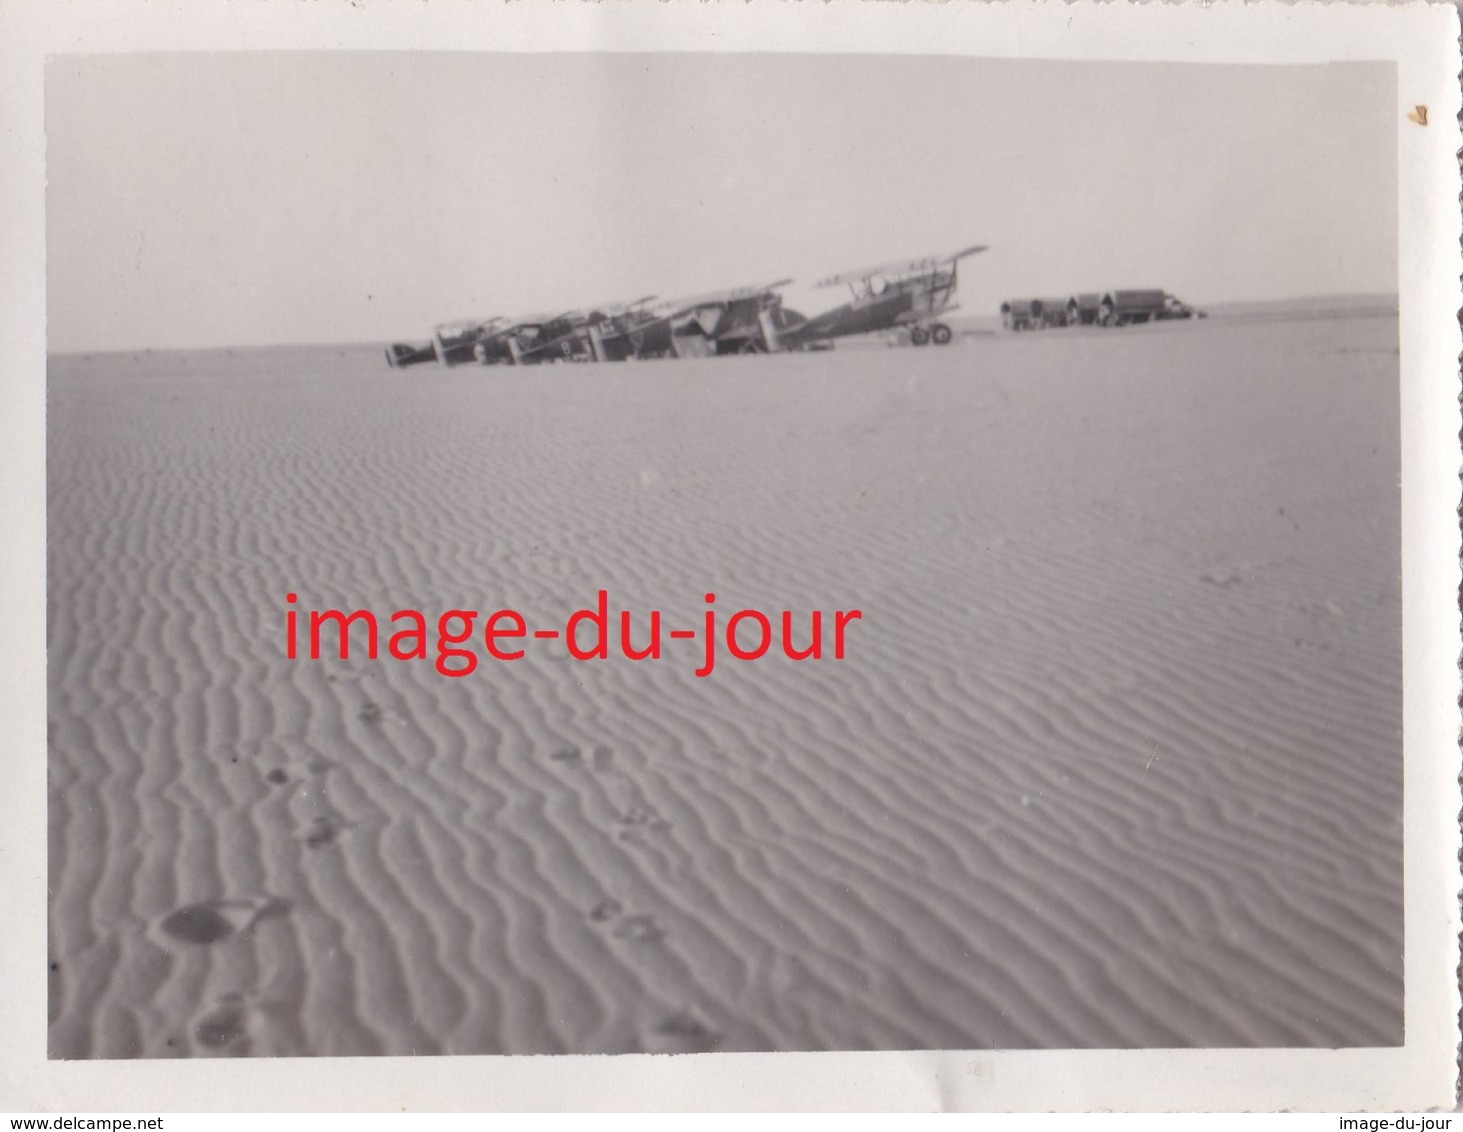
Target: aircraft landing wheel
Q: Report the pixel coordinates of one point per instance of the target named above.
(941, 334)
(918, 335)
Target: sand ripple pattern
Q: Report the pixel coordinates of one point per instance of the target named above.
(1114, 761)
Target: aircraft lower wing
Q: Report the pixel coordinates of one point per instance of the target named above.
(910, 317)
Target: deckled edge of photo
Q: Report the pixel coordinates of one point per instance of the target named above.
(1422, 39)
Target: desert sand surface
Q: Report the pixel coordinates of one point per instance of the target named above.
(1113, 759)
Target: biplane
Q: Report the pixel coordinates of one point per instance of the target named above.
(738, 320)
(559, 336)
(635, 330)
(493, 345)
(544, 338)
(451, 342)
(905, 295)
(525, 341)
(611, 329)
(402, 354)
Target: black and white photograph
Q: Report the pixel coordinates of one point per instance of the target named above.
(643, 551)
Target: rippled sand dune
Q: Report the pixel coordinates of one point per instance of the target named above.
(1113, 760)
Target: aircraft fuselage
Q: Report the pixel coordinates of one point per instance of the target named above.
(905, 302)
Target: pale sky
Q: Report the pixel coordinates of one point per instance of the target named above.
(244, 199)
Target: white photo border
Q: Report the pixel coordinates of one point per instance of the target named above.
(1422, 39)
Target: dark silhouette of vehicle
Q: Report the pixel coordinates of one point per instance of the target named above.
(1124, 308)
(1034, 314)
(1095, 308)
(1084, 309)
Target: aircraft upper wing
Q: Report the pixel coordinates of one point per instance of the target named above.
(622, 308)
(467, 325)
(543, 318)
(899, 267)
(730, 295)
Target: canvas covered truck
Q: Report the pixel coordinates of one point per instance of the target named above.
(1017, 314)
(1123, 308)
(1051, 312)
(1084, 309)
(1095, 308)
(1034, 314)
(1173, 308)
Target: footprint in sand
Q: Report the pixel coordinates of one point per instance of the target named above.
(323, 830)
(639, 815)
(637, 927)
(601, 759)
(226, 1026)
(54, 991)
(231, 1026)
(375, 715)
(686, 1031)
(315, 767)
(289, 758)
(638, 821)
(213, 921)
